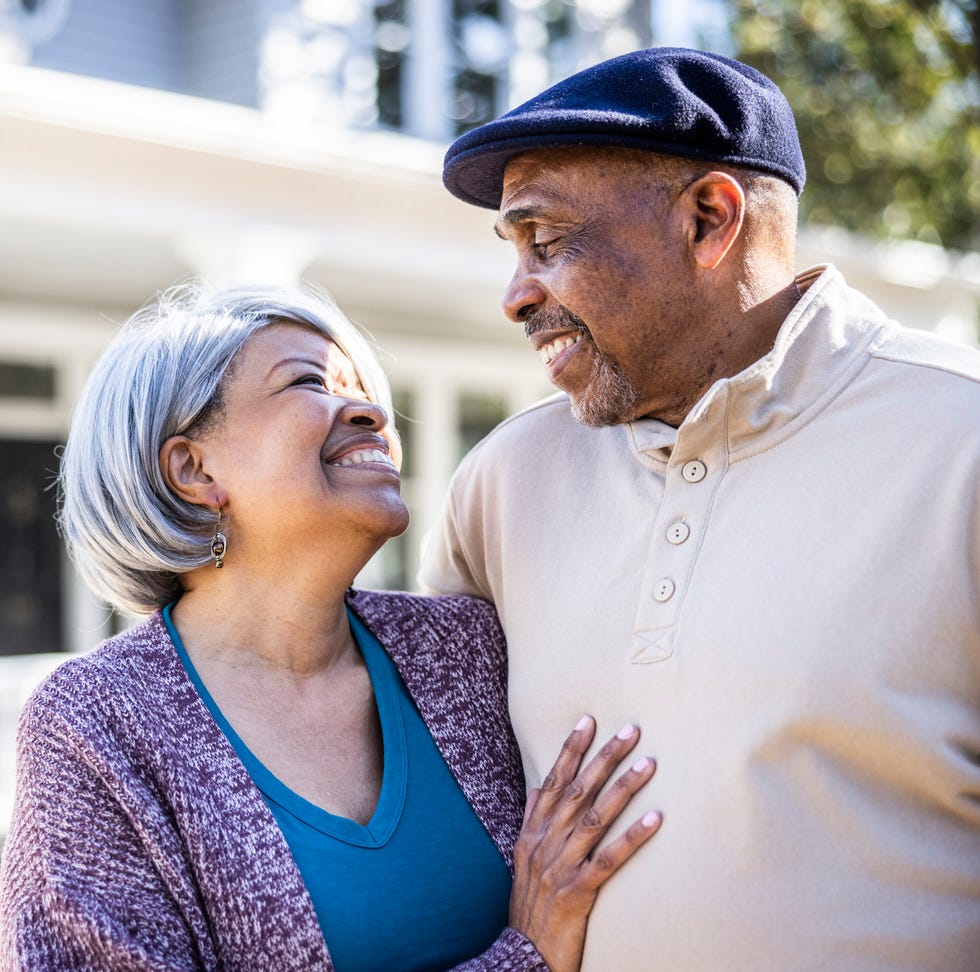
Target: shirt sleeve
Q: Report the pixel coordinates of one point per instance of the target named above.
(448, 564)
(78, 887)
(511, 952)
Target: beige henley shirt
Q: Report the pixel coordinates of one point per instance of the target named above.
(784, 594)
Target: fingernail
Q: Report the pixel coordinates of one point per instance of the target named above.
(583, 723)
(627, 732)
(642, 764)
(650, 819)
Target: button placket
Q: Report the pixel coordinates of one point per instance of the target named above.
(693, 471)
(687, 498)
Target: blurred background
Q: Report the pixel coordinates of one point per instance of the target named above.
(272, 141)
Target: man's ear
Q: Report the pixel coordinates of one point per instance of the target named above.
(182, 468)
(718, 210)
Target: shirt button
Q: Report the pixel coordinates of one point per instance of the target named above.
(664, 590)
(694, 471)
(678, 532)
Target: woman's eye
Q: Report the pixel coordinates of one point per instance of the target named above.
(311, 380)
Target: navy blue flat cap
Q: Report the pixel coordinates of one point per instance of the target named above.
(669, 100)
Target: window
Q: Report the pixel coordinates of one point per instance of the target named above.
(391, 38)
(405, 421)
(431, 68)
(30, 556)
(27, 381)
(506, 51)
(479, 414)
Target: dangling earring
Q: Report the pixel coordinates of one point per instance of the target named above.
(219, 543)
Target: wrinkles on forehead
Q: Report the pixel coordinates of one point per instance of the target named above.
(554, 187)
(538, 182)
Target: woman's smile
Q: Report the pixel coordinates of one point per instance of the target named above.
(363, 451)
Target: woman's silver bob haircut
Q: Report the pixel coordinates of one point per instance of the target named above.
(129, 536)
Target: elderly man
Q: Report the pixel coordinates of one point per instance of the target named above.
(750, 524)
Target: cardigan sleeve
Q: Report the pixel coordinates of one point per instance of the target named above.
(79, 888)
(511, 952)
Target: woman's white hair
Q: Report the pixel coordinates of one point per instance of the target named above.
(129, 535)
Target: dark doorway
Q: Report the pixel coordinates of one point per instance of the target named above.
(30, 549)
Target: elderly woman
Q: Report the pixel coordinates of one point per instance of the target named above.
(273, 771)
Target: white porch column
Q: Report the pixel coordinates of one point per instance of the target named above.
(436, 439)
(427, 69)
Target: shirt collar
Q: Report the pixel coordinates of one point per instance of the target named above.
(818, 345)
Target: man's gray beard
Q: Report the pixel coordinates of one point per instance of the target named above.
(610, 398)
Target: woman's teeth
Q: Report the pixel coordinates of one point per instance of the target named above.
(364, 455)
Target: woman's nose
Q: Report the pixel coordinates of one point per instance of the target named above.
(365, 414)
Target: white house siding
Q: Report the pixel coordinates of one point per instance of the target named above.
(220, 49)
(136, 43)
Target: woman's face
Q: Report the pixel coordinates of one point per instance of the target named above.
(300, 456)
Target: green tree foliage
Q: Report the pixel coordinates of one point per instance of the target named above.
(887, 99)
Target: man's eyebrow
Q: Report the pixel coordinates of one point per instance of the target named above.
(519, 214)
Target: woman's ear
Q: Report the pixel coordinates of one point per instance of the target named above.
(182, 468)
(718, 207)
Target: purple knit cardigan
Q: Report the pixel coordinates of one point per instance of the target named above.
(139, 841)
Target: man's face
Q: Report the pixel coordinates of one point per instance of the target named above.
(602, 285)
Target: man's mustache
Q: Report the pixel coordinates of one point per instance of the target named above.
(557, 318)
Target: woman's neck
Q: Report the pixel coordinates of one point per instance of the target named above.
(268, 622)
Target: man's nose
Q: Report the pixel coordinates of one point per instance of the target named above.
(524, 295)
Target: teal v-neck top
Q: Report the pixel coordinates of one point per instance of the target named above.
(422, 886)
